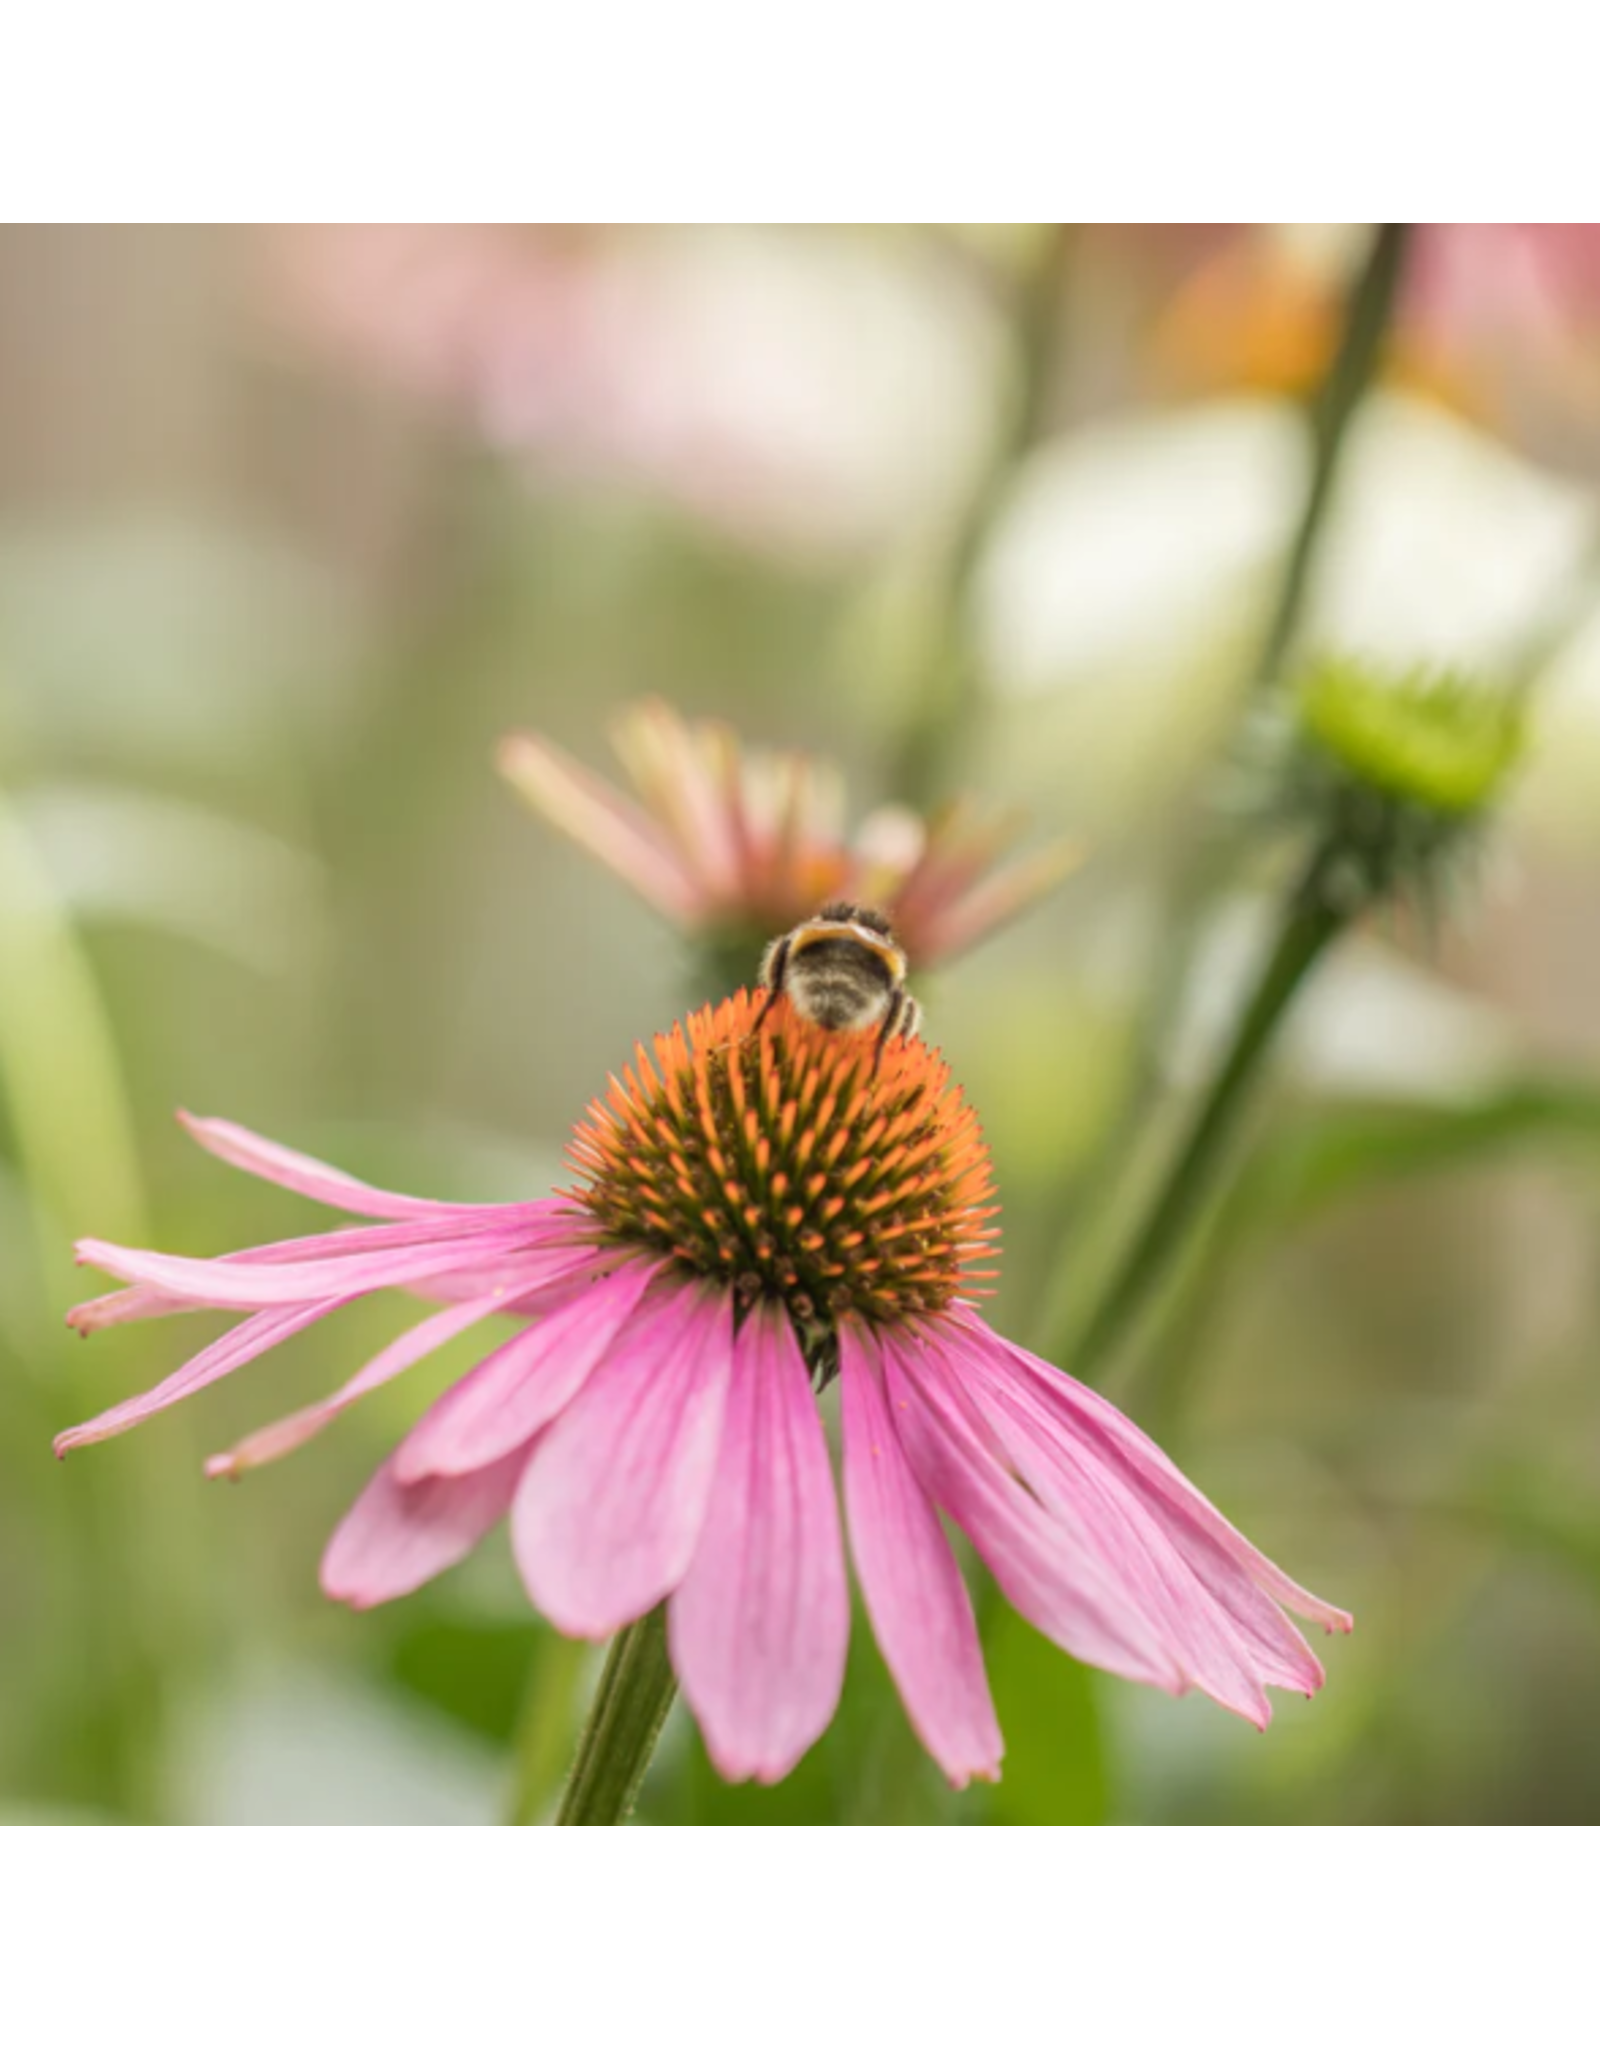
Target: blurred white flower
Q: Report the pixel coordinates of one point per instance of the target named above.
(1376, 1025)
(1129, 580)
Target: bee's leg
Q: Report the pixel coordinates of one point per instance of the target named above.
(910, 1016)
(891, 1016)
(773, 967)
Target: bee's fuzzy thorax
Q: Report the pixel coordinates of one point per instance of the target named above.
(843, 969)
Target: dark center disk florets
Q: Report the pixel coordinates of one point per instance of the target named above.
(787, 1164)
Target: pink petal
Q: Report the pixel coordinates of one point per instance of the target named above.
(959, 845)
(921, 1613)
(959, 921)
(611, 1506)
(237, 1283)
(759, 1627)
(522, 1282)
(511, 1276)
(398, 1537)
(248, 1340)
(126, 1305)
(1089, 1493)
(311, 1177)
(602, 822)
(291, 1431)
(501, 1403)
(1188, 1516)
(677, 781)
(1047, 1573)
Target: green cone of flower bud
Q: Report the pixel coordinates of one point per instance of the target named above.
(1396, 772)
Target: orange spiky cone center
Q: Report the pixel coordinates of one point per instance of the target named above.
(786, 1164)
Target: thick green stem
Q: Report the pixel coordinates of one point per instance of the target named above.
(631, 1703)
(939, 725)
(1368, 310)
(1307, 926)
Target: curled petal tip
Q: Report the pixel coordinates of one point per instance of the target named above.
(62, 1445)
(985, 1774)
(223, 1466)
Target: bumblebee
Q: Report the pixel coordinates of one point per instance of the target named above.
(844, 970)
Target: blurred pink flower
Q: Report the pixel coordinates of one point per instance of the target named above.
(738, 838)
(758, 1210)
(780, 387)
(1469, 279)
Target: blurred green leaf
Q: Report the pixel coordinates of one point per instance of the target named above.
(23, 1815)
(475, 1671)
(1056, 1771)
(1548, 1514)
(1335, 1151)
(122, 853)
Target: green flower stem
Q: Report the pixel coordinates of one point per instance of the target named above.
(1308, 924)
(630, 1706)
(1368, 310)
(1367, 314)
(938, 728)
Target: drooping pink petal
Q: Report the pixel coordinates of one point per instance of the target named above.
(1044, 1569)
(287, 1434)
(759, 1627)
(1184, 1509)
(398, 1537)
(1090, 1494)
(602, 822)
(126, 1305)
(611, 1506)
(239, 1283)
(246, 1341)
(921, 1613)
(326, 1184)
(501, 1403)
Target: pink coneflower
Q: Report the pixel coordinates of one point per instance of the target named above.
(732, 839)
(757, 1213)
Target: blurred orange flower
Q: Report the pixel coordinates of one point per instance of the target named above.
(1493, 317)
